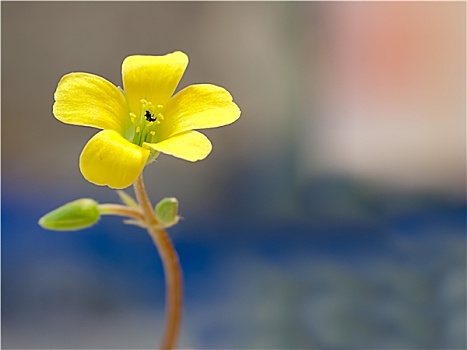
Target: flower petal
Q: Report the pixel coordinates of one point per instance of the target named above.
(198, 107)
(191, 145)
(109, 159)
(153, 78)
(89, 100)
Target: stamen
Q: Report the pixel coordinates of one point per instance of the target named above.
(146, 123)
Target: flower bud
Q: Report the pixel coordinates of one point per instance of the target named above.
(72, 216)
(167, 211)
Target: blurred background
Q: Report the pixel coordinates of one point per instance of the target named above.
(331, 215)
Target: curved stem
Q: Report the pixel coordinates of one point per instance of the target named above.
(120, 210)
(172, 270)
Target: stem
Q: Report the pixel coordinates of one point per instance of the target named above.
(120, 210)
(169, 257)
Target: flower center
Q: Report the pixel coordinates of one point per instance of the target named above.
(146, 124)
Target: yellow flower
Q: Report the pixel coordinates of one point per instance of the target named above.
(142, 120)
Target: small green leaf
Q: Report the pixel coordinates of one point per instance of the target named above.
(72, 216)
(127, 199)
(167, 211)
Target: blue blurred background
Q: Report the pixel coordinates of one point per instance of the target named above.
(332, 215)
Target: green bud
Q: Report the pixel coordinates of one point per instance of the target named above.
(72, 216)
(167, 211)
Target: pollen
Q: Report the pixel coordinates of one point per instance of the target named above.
(152, 132)
(138, 129)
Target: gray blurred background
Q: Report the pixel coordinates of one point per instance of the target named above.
(330, 215)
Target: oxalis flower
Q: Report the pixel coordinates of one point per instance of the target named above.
(142, 120)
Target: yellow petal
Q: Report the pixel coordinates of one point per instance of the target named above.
(153, 78)
(198, 107)
(191, 145)
(111, 160)
(89, 100)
